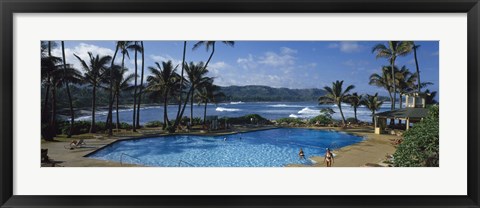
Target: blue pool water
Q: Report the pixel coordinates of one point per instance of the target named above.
(266, 148)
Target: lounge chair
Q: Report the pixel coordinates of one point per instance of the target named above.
(76, 144)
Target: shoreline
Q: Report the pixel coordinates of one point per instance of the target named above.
(369, 152)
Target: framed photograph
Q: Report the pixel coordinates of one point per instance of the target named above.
(244, 104)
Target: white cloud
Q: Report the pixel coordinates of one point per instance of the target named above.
(286, 50)
(165, 58)
(347, 46)
(248, 62)
(81, 51)
(275, 60)
(218, 68)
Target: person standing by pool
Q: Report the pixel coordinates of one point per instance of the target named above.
(329, 158)
(301, 154)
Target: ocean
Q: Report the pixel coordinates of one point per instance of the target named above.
(269, 110)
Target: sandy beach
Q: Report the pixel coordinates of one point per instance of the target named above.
(373, 150)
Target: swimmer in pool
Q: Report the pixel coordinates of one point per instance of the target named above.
(225, 139)
(301, 154)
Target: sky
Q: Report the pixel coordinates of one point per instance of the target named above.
(290, 64)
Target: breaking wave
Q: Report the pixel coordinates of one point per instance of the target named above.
(221, 109)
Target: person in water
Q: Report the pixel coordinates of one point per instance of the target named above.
(301, 154)
(329, 158)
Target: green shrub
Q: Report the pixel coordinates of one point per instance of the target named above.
(197, 121)
(154, 124)
(247, 119)
(351, 120)
(79, 127)
(185, 120)
(126, 126)
(321, 119)
(420, 146)
(101, 126)
(290, 120)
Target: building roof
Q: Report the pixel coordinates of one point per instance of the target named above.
(404, 113)
(418, 94)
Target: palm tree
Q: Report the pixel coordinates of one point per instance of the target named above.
(196, 76)
(391, 52)
(384, 80)
(141, 85)
(70, 75)
(94, 72)
(430, 99)
(161, 82)
(50, 68)
(405, 82)
(336, 95)
(208, 92)
(49, 63)
(110, 99)
(372, 103)
(180, 93)
(136, 48)
(120, 84)
(355, 101)
(211, 44)
(415, 47)
(63, 76)
(123, 47)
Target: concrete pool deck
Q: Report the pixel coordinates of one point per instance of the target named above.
(373, 149)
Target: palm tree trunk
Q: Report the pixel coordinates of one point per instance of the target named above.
(117, 92)
(373, 117)
(205, 113)
(141, 85)
(392, 103)
(109, 115)
(341, 112)
(355, 112)
(401, 101)
(94, 92)
(45, 105)
(110, 99)
(211, 55)
(177, 121)
(184, 105)
(72, 113)
(165, 115)
(53, 121)
(416, 64)
(135, 91)
(191, 105)
(118, 117)
(393, 83)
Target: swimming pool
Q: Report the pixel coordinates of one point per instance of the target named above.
(265, 148)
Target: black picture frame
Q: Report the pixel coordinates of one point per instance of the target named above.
(10, 7)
